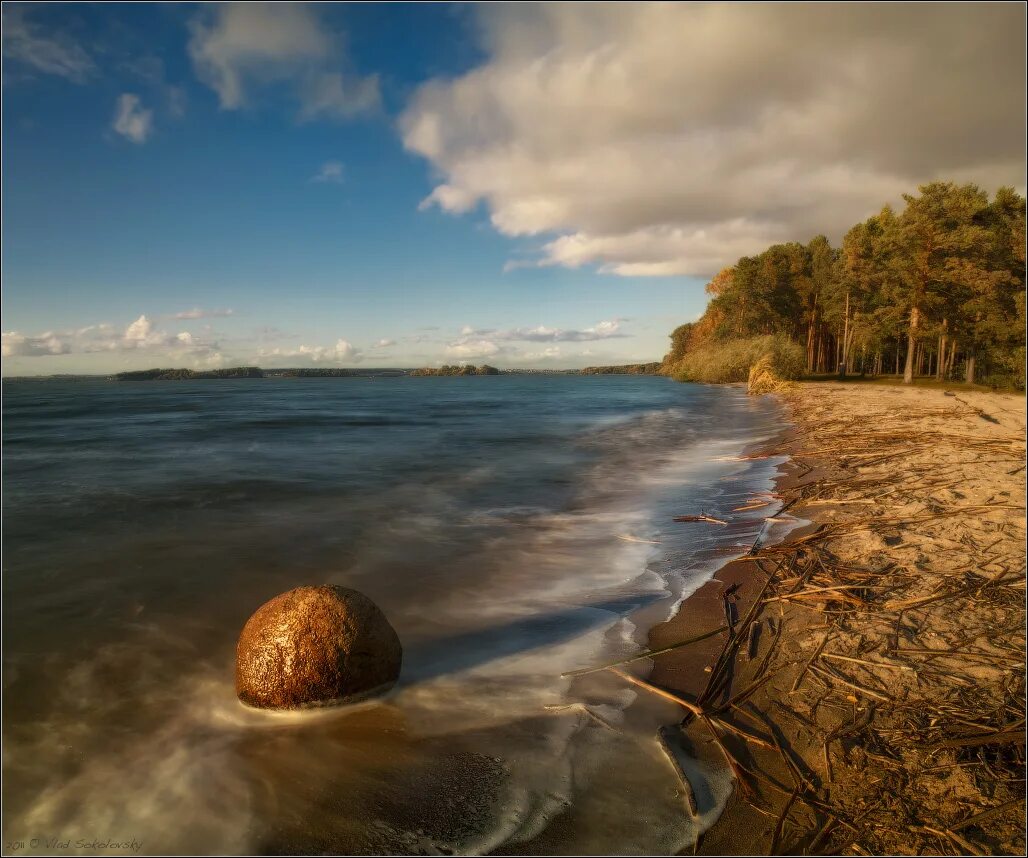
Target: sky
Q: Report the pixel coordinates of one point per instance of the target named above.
(525, 185)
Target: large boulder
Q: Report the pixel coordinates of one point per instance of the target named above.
(315, 646)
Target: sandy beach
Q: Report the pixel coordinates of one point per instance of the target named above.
(871, 697)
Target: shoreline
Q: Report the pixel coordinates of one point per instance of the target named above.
(830, 724)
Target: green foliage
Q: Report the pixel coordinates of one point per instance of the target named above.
(190, 374)
(626, 369)
(731, 360)
(680, 338)
(929, 289)
(318, 372)
(466, 369)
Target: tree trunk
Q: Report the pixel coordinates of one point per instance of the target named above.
(970, 369)
(898, 345)
(846, 335)
(952, 358)
(940, 365)
(810, 338)
(908, 370)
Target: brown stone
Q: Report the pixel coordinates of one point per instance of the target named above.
(315, 646)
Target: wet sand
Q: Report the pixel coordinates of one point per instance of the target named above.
(895, 699)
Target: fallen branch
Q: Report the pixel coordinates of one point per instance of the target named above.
(701, 517)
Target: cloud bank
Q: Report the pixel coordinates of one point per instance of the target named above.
(487, 342)
(139, 336)
(669, 139)
(341, 352)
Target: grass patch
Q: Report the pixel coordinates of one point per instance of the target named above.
(727, 361)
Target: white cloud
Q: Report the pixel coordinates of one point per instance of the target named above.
(341, 352)
(16, 344)
(237, 48)
(199, 313)
(332, 95)
(331, 172)
(610, 329)
(660, 139)
(140, 335)
(50, 53)
(469, 349)
(131, 120)
(550, 353)
(384, 344)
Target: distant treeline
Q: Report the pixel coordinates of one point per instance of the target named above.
(627, 369)
(485, 369)
(313, 372)
(255, 372)
(936, 290)
(188, 374)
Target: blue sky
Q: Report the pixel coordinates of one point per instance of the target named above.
(406, 185)
(222, 210)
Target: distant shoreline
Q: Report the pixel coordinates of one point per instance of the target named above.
(252, 372)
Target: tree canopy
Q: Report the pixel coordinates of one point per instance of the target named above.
(937, 289)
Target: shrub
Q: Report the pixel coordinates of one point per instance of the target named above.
(726, 361)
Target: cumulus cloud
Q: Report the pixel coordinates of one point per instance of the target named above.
(331, 172)
(384, 344)
(50, 53)
(470, 348)
(661, 139)
(139, 335)
(341, 352)
(237, 48)
(131, 120)
(550, 353)
(16, 344)
(600, 331)
(199, 313)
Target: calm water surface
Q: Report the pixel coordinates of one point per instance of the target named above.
(510, 527)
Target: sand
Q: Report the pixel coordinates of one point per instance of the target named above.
(890, 634)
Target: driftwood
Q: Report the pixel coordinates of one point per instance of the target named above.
(701, 517)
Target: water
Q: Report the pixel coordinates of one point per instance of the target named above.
(510, 527)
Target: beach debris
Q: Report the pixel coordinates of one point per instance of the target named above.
(763, 379)
(628, 538)
(987, 417)
(316, 646)
(700, 517)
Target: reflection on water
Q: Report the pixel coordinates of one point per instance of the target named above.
(511, 528)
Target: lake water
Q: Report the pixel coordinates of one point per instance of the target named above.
(510, 527)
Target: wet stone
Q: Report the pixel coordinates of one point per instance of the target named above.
(316, 646)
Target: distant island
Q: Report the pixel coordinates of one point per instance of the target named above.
(183, 374)
(485, 369)
(254, 372)
(628, 369)
(189, 374)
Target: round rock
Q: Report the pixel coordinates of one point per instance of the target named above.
(315, 646)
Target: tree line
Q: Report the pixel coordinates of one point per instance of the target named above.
(935, 290)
